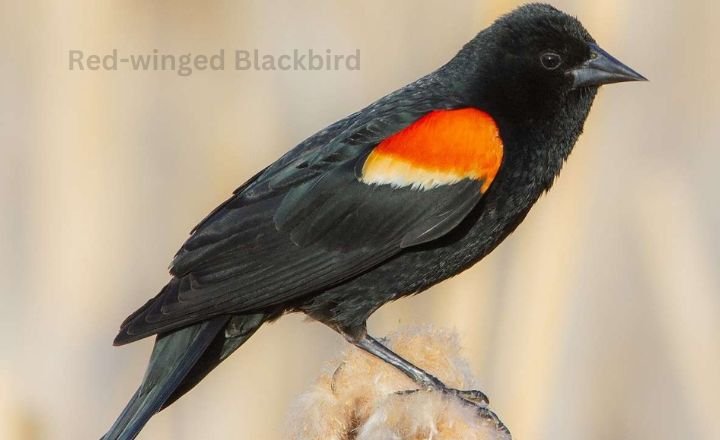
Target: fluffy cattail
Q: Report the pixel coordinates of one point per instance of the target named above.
(359, 397)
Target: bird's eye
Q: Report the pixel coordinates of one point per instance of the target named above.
(550, 60)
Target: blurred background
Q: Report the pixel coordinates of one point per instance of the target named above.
(599, 318)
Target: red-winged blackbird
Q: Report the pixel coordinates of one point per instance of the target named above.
(399, 196)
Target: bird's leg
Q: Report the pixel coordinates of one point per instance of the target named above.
(426, 380)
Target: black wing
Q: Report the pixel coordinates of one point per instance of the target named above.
(304, 224)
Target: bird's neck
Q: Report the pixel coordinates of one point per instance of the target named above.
(540, 147)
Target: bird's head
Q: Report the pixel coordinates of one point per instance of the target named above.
(537, 59)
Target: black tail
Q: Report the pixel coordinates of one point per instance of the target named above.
(178, 362)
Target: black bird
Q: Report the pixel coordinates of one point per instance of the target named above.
(409, 191)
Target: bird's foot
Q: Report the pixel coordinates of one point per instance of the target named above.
(474, 398)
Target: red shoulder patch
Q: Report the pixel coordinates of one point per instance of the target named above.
(441, 148)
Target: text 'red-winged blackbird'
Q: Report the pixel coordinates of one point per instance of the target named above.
(385, 203)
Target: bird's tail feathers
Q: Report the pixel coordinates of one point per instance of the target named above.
(173, 357)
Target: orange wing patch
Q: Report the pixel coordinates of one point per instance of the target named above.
(441, 148)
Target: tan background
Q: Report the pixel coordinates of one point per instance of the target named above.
(599, 318)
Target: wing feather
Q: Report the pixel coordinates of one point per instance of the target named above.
(304, 224)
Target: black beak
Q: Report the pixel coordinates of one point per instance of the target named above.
(602, 68)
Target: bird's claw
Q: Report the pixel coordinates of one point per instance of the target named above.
(492, 418)
(480, 401)
(473, 398)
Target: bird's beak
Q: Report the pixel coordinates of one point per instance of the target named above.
(602, 68)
